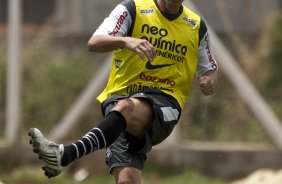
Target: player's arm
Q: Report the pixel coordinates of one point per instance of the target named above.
(110, 34)
(207, 66)
(106, 43)
(113, 33)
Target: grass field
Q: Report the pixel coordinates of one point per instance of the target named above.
(34, 175)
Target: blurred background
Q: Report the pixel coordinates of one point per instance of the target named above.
(49, 80)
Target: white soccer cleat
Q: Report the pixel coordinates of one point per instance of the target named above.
(50, 153)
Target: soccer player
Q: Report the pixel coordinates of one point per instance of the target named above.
(159, 46)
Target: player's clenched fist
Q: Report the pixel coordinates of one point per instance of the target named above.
(207, 84)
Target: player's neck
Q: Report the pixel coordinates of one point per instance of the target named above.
(167, 6)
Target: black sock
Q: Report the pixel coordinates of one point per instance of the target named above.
(100, 137)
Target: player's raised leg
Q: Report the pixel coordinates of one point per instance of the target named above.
(57, 156)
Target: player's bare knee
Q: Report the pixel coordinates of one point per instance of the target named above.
(138, 114)
(126, 182)
(125, 107)
(127, 175)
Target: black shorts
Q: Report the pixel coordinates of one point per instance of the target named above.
(167, 113)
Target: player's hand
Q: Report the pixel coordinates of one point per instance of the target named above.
(143, 48)
(207, 85)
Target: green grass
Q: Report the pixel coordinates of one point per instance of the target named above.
(34, 175)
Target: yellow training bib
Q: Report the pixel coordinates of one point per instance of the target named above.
(176, 44)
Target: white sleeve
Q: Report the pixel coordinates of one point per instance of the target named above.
(117, 23)
(206, 59)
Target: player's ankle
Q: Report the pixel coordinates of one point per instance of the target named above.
(67, 157)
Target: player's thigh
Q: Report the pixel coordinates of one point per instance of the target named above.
(127, 175)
